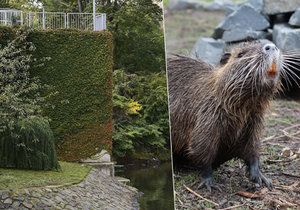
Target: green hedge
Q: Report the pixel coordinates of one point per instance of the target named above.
(6, 34)
(80, 70)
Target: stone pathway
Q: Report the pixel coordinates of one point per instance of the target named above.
(97, 191)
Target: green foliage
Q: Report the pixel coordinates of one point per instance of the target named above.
(20, 94)
(140, 94)
(4, 4)
(138, 35)
(80, 70)
(26, 140)
(6, 35)
(19, 4)
(60, 5)
(140, 113)
(30, 145)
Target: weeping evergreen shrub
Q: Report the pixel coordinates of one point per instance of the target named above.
(26, 140)
(30, 145)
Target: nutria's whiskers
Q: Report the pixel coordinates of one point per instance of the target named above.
(291, 63)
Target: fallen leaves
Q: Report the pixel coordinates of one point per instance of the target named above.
(287, 152)
(254, 195)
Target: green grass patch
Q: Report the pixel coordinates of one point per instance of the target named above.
(70, 173)
(272, 151)
(186, 178)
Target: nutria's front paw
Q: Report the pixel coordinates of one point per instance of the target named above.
(257, 177)
(209, 184)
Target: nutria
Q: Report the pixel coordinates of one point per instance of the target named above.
(217, 112)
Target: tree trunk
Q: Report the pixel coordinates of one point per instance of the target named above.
(79, 6)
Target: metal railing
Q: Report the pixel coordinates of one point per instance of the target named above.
(53, 20)
(10, 17)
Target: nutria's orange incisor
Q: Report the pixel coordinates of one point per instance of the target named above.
(217, 112)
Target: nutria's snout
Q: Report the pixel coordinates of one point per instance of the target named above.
(273, 60)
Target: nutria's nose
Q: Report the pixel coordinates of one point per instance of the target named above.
(270, 48)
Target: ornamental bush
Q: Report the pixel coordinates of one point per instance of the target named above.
(26, 140)
(28, 145)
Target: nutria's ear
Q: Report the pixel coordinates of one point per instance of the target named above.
(225, 58)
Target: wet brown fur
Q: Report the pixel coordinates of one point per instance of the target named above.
(211, 121)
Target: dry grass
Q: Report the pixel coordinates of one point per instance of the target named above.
(183, 28)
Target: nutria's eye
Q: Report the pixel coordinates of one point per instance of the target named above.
(241, 54)
(225, 58)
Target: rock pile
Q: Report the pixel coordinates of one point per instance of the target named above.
(226, 5)
(277, 21)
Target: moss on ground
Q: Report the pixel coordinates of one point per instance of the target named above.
(70, 173)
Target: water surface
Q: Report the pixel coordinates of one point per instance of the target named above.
(156, 184)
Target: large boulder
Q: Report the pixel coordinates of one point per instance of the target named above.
(244, 18)
(295, 18)
(286, 38)
(209, 50)
(184, 4)
(258, 5)
(241, 35)
(226, 5)
(272, 7)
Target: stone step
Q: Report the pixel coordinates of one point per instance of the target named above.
(123, 180)
(105, 167)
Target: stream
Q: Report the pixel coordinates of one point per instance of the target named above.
(155, 182)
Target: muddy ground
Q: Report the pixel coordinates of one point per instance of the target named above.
(280, 155)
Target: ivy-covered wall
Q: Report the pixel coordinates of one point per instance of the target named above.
(80, 71)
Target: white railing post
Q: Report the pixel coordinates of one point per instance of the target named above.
(104, 21)
(5, 18)
(29, 19)
(94, 15)
(44, 19)
(21, 18)
(66, 20)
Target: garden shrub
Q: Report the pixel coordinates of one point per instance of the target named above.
(26, 140)
(29, 145)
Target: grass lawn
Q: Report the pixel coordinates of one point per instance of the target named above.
(71, 173)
